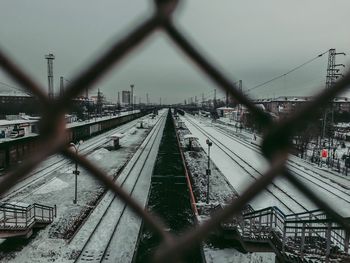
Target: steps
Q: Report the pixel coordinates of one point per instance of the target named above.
(299, 237)
(19, 221)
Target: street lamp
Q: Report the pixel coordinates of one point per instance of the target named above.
(209, 143)
(76, 172)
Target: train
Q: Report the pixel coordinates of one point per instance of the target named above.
(14, 151)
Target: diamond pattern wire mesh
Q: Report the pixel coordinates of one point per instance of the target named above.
(275, 147)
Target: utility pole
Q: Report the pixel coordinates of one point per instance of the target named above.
(50, 57)
(239, 104)
(226, 98)
(160, 101)
(132, 97)
(118, 101)
(202, 100)
(147, 99)
(99, 102)
(61, 86)
(214, 99)
(332, 75)
(209, 143)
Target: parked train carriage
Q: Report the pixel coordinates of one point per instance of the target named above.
(3, 159)
(95, 128)
(81, 132)
(69, 135)
(14, 151)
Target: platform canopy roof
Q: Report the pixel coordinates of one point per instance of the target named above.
(117, 135)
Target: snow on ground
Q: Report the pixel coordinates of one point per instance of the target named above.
(220, 190)
(139, 172)
(49, 244)
(231, 255)
(335, 188)
(283, 194)
(237, 177)
(55, 184)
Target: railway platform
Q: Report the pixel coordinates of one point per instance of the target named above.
(111, 232)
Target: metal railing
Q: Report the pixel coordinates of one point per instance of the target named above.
(23, 217)
(310, 233)
(275, 147)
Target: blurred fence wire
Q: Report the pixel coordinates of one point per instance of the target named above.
(275, 147)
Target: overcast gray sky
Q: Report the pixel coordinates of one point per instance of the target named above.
(250, 40)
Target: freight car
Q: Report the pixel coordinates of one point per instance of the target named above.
(14, 151)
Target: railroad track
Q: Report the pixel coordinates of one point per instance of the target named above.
(98, 244)
(42, 174)
(318, 178)
(248, 168)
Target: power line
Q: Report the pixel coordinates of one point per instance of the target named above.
(288, 72)
(13, 87)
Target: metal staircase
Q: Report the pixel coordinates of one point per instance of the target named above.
(19, 221)
(303, 237)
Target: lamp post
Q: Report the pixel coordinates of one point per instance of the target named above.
(76, 172)
(209, 143)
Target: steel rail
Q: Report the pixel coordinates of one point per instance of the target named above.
(301, 173)
(218, 143)
(148, 140)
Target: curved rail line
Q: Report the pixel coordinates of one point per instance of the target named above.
(156, 131)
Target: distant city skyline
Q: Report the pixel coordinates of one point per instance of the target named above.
(252, 42)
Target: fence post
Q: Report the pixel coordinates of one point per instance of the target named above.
(271, 219)
(328, 240)
(346, 242)
(284, 238)
(15, 212)
(250, 226)
(4, 216)
(302, 241)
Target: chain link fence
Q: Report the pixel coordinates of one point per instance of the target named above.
(275, 147)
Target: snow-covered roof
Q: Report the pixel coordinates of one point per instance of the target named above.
(117, 135)
(14, 122)
(342, 125)
(14, 94)
(190, 136)
(225, 108)
(297, 99)
(341, 99)
(261, 106)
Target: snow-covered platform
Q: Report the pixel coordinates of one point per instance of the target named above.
(111, 232)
